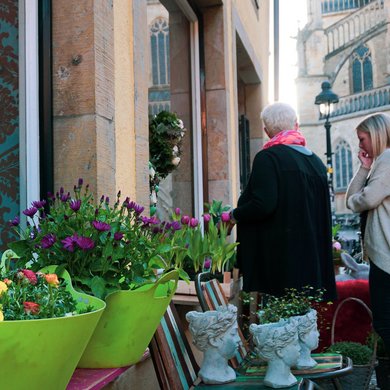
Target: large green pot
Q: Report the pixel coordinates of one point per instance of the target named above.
(128, 324)
(42, 354)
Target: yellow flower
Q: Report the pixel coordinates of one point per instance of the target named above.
(1, 316)
(3, 287)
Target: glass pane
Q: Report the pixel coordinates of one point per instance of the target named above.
(357, 76)
(9, 119)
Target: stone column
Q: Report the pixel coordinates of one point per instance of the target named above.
(83, 99)
(217, 101)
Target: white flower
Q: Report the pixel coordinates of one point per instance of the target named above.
(182, 134)
(175, 161)
(152, 172)
(175, 150)
(180, 123)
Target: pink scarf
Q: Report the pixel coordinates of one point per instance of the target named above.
(286, 137)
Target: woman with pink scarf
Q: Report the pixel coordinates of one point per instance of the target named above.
(283, 216)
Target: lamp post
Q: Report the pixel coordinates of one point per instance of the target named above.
(325, 100)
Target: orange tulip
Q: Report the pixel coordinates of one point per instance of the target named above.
(52, 279)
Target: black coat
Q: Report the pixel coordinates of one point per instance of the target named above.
(284, 224)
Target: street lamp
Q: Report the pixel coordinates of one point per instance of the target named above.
(326, 100)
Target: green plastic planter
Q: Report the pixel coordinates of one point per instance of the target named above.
(128, 324)
(42, 354)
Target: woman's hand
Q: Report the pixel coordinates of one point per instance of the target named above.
(365, 159)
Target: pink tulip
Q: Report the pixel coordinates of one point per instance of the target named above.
(336, 246)
(225, 217)
(194, 222)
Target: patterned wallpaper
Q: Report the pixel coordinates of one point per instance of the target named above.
(9, 118)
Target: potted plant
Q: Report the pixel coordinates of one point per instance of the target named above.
(110, 251)
(166, 132)
(33, 308)
(363, 359)
(296, 306)
(194, 246)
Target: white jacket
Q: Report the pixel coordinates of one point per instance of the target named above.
(374, 197)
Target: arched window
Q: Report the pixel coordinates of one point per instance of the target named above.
(159, 91)
(361, 69)
(159, 41)
(343, 165)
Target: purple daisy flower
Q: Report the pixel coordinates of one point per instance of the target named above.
(65, 197)
(101, 226)
(75, 205)
(85, 243)
(138, 209)
(15, 221)
(48, 241)
(70, 242)
(39, 204)
(30, 212)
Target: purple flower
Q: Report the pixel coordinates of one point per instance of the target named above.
(15, 221)
(225, 217)
(75, 205)
(118, 236)
(30, 212)
(206, 217)
(175, 225)
(207, 263)
(101, 226)
(138, 209)
(85, 243)
(62, 190)
(177, 211)
(194, 222)
(80, 182)
(65, 197)
(185, 219)
(69, 242)
(48, 241)
(131, 204)
(39, 204)
(107, 199)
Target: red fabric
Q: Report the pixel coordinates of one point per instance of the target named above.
(353, 322)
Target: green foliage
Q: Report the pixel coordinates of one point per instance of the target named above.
(359, 353)
(191, 246)
(293, 303)
(381, 350)
(33, 297)
(104, 247)
(166, 131)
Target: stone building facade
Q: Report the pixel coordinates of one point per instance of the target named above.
(347, 43)
(76, 76)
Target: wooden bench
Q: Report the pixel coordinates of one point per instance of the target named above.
(97, 378)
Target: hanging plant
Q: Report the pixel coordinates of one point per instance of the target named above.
(166, 132)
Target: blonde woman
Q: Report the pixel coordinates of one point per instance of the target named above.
(369, 194)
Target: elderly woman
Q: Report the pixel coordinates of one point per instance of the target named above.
(215, 333)
(278, 344)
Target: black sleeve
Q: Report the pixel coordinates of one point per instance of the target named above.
(263, 191)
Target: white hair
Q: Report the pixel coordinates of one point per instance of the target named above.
(278, 117)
